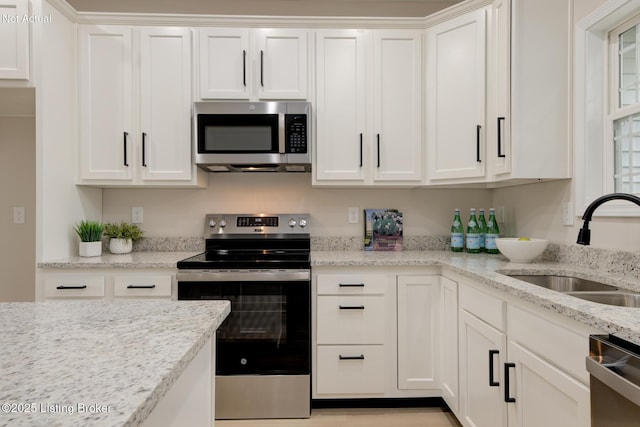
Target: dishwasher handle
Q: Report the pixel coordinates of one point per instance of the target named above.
(616, 382)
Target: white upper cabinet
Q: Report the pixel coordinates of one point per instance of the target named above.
(368, 107)
(165, 104)
(106, 103)
(340, 106)
(530, 110)
(456, 62)
(397, 105)
(135, 106)
(14, 40)
(238, 63)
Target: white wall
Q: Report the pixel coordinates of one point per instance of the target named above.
(61, 204)
(17, 189)
(179, 212)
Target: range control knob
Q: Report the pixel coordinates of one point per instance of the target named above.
(223, 223)
(292, 222)
(302, 223)
(212, 223)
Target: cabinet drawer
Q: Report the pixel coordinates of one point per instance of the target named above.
(350, 320)
(74, 287)
(337, 284)
(350, 369)
(487, 307)
(142, 286)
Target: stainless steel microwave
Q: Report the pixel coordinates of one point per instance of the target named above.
(252, 136)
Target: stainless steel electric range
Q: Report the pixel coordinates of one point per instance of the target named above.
(259, 262)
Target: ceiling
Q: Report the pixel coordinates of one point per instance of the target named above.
(363, 8)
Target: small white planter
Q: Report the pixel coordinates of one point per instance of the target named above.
(89, 249)
(120, 246)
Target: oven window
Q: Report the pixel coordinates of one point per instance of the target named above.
(268, 329)
(238, 133)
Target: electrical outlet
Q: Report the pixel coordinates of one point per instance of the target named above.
(567, 213)
(500, 215)
(18, 215)
(136, 215)
(354, 215)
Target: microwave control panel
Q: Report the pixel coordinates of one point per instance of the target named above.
(296, 133)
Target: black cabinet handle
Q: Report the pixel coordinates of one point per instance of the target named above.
(341, 357)
(360, 150)
(351, 285)
(126, 163)
(141, 286)
(71, 287)
(244, 68)
(378, 142)
(262, 68)
(500, 153)
(508, 398)
(351, 307)
(144, 149)
(478, 129)
(492, 383)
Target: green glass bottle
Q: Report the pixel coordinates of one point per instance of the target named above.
(473, 233)
(457, 233)
(483, 230)
(492, 232)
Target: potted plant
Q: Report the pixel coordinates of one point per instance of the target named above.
(122, 236)
(90, 233)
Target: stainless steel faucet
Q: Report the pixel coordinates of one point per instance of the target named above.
(584, 235)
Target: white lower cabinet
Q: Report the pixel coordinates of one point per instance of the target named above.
(449, 384)
(374, 333)
(107, 284)
(519, 365)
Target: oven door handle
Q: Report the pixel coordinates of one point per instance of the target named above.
(616, 382)
(243, 276)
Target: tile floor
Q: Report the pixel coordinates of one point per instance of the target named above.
(384, 417)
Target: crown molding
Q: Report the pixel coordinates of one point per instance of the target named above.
(65, 9)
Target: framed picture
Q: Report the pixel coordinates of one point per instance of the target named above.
(382, 230)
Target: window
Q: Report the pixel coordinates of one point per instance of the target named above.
(607, 106)
(625, 111)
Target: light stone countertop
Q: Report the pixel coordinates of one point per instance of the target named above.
(484, 268)
(96, 363)
(130, 260)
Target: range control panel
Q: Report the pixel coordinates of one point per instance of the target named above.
(294, 223)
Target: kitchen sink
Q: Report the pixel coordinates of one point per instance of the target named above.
(619, 298)
(564, 283)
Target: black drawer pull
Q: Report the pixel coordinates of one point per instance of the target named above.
(508, 398)
(351, 285)
(500, 153)
(126, 162)
(71, 287)
(492, 383)
(144, 149)
(352, 307)
(341, 357)
(141, 286)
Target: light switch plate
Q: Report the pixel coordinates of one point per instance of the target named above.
(18, 215)
(567, 213)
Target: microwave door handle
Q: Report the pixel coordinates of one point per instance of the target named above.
(281, 134)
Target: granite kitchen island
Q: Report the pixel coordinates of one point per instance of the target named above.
(104, 363)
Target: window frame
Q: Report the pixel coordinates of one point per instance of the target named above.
(594, 100)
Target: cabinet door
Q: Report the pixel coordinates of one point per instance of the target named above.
(499, 142)
(482, 353)
(449, 351)
(106, 100)
(280, 58)
(397, 101)
(340, 105)
(165, 103)
(456, 97)
(225, 66)
(544, 395)
(417, 305)
(14, 40)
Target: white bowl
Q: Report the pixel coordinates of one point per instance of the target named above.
(521, 250)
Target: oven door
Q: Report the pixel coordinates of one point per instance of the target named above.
(268, 330)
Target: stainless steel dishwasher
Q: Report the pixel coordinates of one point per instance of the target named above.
(614, 365)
